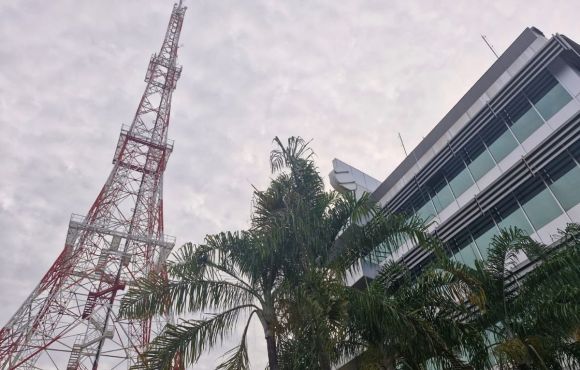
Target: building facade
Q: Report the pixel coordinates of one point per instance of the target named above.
(507, 154)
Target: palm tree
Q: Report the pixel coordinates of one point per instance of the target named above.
(320, 308)
(227, 275)
(531, 321)
(403, 321)
(315, 311)
(261, 272)
(446, 316)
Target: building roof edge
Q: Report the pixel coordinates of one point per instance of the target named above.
(506, 59)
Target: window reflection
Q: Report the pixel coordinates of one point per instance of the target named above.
(526, 124)
(460, 183)
(518, 219)
(483, 240)
(541, 209)
(481, 165)
(427, 211)
(538, 205)
(554, 100)
(564, 179)
(443, 198)
(531, 208)
(548, 97)
(468, 255)
(502, 146)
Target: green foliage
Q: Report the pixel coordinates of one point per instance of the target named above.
(532, 317)
(289, 267)
(285, 269)
(190, 338)
(405, 321)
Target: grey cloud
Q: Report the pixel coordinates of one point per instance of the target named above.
(348, 74)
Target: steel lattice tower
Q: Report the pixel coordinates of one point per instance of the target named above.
(70, 320)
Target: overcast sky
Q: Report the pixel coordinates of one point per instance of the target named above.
(348, 74)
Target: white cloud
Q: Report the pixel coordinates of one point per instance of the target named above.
(348, 74)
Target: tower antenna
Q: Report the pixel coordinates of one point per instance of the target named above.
(71, 319)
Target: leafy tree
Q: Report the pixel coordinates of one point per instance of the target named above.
(265, 272)
(406, 322)
(485, 317)
(288, 270)
(531, 321)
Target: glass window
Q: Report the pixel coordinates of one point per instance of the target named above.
(528, 122)
(461, 182)
(427, 211)
(517, 219)
(484, 240)
(481, 165)
(371, 258)
(492, 339)
(502, 146)
(468, 255)
(443, 198)
(574, 150)
(553, 101)
(566, 188)
(541, 209)
(379, 254)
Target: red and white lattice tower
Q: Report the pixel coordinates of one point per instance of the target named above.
(70, 321)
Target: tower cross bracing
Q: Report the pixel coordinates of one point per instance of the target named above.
(70, 320)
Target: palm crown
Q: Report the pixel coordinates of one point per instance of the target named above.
(287, 270)
(258, 272)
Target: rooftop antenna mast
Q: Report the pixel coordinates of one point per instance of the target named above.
(403, 144)
(489, 45)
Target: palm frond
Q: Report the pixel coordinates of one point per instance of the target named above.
(238, 356)
(287, 156)
(387, 231)
(150, 298)
(503, 252)
(189, 338)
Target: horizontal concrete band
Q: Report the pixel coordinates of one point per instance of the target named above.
(527, 167)
(554, 48)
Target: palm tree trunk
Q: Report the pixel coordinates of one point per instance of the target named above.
(272, 350)
(324, 361)
(267, 318)
(388, 363)
(267, 324)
